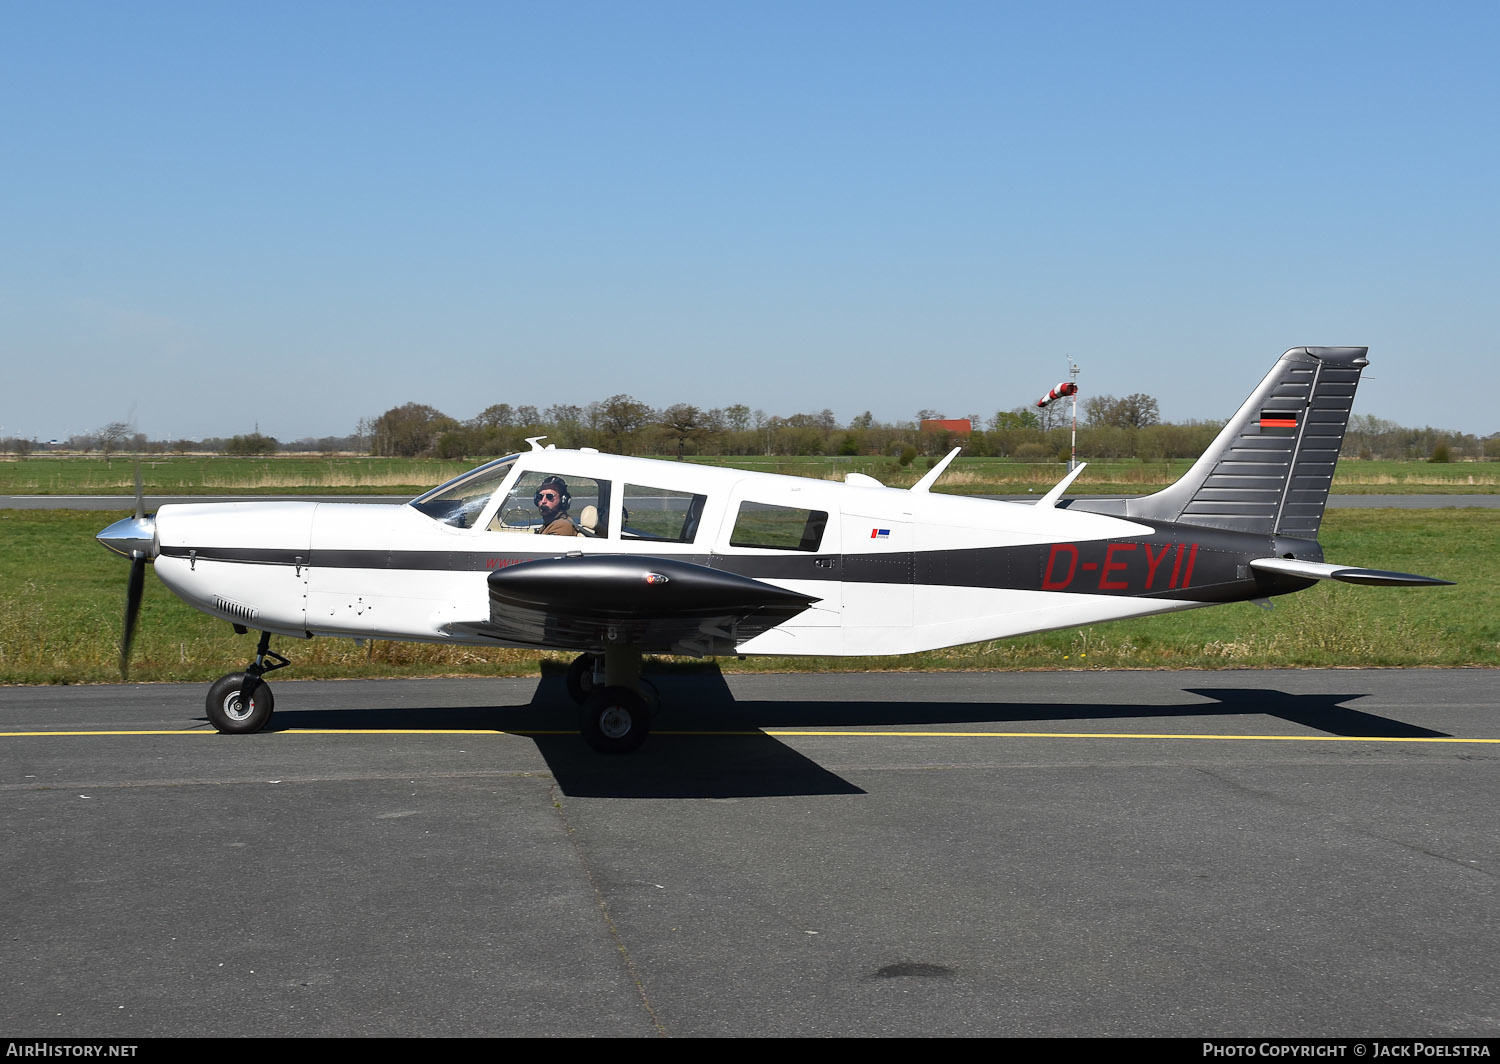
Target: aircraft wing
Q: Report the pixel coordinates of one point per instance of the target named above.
(660, 605)
(1349, 574)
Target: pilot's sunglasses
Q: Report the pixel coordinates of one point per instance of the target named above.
(548, 495)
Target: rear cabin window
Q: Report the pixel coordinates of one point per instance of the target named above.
(660, 514)
(762, 524)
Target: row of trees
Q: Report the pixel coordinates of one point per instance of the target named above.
(1109, 427)
(254, 443)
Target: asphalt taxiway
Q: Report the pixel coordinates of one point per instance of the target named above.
(1248, 853)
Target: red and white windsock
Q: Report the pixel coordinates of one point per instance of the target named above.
(1062, 391)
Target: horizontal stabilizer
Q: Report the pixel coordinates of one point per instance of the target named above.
(1347, 573)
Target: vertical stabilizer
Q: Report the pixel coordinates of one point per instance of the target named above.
(1271, 468)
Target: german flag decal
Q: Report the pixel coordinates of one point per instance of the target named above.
(1278, 422)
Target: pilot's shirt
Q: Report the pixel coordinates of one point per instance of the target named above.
(559, 526)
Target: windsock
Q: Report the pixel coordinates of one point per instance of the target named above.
(1062, 391)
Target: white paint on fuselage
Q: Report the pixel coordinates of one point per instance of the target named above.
(451, 604)
(954, 616)
(261, 596)
(382, 600)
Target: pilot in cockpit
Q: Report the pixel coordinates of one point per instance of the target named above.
(553, 500)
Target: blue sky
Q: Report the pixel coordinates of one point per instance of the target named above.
(221, 216)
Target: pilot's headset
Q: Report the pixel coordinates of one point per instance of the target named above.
(557, 484)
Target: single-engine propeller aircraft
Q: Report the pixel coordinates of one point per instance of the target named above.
(667, 558)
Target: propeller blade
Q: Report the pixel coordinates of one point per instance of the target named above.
(140, 496)
(132, 610)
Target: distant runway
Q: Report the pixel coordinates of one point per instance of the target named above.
(153, 502)
(127, 502)
(1238, 853)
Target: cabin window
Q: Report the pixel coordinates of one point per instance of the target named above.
(460, 501)
(660, 514)
(586, 506)
(762, 524)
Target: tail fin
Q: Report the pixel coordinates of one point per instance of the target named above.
(1270, 469)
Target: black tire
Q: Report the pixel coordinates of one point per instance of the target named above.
(581, 678)
(615, 720)
(227, 711)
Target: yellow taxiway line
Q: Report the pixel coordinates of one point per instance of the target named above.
(799, 733)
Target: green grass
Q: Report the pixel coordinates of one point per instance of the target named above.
(62, 603)
(224, 475)
(345, 474)
(1004, 476)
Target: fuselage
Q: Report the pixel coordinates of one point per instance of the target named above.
(892, 571)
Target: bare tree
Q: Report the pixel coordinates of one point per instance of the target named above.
(111, 436)
(737, 417)
(685, 423)
(1135, 411)
(498, 416)
(409, 430)
(620, 417)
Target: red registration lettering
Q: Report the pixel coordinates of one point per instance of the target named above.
(1050, 582)
(1154, 563)
(1187, 576)
(1105, 583)
(1191, 552)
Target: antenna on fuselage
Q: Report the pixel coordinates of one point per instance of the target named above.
(936, 471)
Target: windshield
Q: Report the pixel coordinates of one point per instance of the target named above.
(460, 501)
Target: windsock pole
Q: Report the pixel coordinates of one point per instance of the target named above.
(1066, 390)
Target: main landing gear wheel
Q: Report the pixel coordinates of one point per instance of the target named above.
(581, 677)
(229, 711)
(615, 720)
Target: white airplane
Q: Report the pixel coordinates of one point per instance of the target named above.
(651, 557)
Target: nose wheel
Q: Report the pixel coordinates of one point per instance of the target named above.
(241, 703)
(231, 712)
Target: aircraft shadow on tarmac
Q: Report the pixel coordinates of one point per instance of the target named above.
(732, 757)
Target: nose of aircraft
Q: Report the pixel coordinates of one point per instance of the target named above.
(131, 537)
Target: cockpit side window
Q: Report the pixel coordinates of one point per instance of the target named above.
(460, 501)
(540, 498)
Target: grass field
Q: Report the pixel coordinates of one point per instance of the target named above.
(221, 474)
(1002, 476)
(354, 475)
(62, 600)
